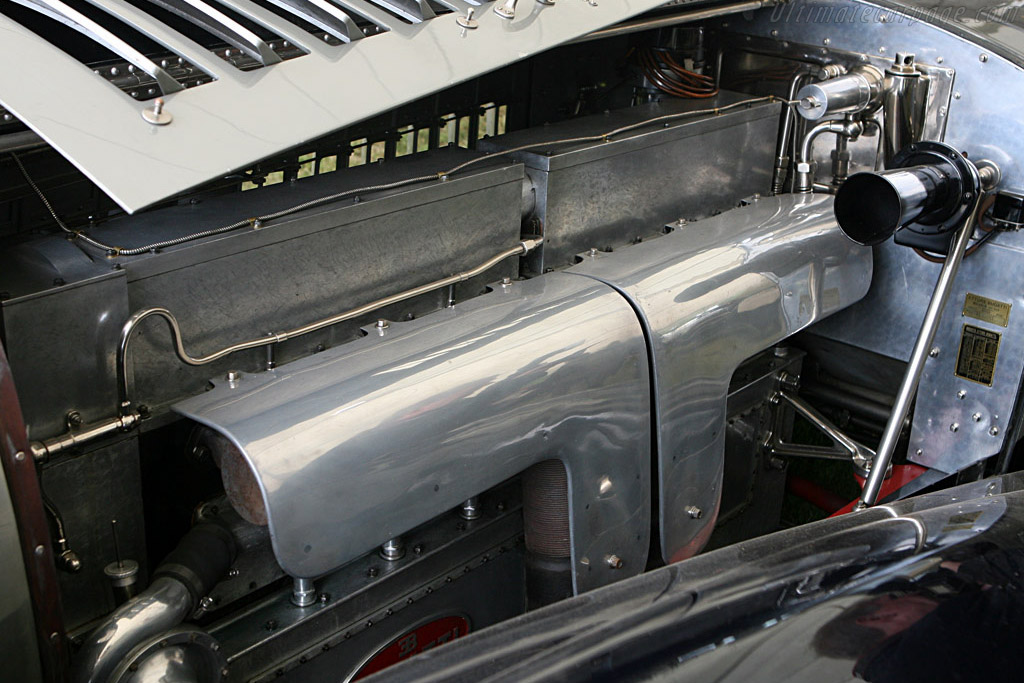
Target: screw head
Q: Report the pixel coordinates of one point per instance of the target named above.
(955, 427)
(961, 394)
(156, 114)
(694, 512)
(19, 456)
(934, 353)
(613, 561)
(983, 58)
(233, 376)
(994, 431)
(976, 417)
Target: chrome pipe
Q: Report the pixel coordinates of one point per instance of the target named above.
(786, 131)
(804, 171)
(43, 450)
(859, 453)
(858, 90)
(872, 206)
(303, 592)
(165, 604)
(20, 142)
(523, 248)
(912, 375)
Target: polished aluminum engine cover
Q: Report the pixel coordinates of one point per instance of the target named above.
(711, 295)
(361, 443)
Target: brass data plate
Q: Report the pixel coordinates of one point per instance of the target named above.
(976, 359)
(987, 310)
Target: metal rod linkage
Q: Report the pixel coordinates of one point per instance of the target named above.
(912, 376)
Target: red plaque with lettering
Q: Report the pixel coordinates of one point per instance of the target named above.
(430, 635)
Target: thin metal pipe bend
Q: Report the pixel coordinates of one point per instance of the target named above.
(850, 129)
(523, 248)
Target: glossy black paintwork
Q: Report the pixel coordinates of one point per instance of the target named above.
(929, 588)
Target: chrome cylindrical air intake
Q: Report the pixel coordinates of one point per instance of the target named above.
(928, 191)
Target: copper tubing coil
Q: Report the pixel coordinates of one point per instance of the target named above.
(672, 78)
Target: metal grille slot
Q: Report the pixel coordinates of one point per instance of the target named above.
(214, 21)
(72, 18)
(324, 15)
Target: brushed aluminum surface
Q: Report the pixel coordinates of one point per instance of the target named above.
(983, 412)
(361, 443)
(710, 295)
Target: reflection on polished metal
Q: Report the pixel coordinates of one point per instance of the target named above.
(930, 191)
(165, 604)
(847, 129)
(912, 375)
(522, 248)
(393, 549)
(786, 130)
(303, 592)
(182, 655)
(710, 297)
(861, 455)
(856, 91)
(903, 105)
(446, 406)
(942, 188)
(44, 450)
(470, 509)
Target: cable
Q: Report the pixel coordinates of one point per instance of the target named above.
(661, 69)
(440, 176)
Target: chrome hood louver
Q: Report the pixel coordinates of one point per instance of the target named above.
(292, 71)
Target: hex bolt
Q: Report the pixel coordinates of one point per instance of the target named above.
(233, 376)
(955, 427)
(506, 281)
(613, 561)
(961, 394)
(206, 604)
(694, 512)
